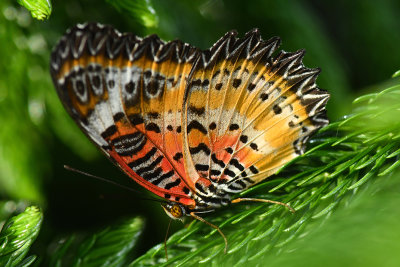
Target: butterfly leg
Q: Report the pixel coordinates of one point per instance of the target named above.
(237, 200)
(165, 239)
(213, 226)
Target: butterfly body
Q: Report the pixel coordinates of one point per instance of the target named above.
(194, 127)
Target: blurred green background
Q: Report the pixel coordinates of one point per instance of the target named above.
(355, 43)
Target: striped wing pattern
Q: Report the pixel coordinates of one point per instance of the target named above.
(126, 94)
(191, 126)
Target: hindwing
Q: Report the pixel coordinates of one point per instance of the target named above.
(126, 93)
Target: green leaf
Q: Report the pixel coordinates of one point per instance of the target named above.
(396, 74)
(40, 9)
(17, 236)
(109, 247)
(141, 10)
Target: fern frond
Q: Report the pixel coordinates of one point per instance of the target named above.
(17, 236)
(40, 9)
(109, 247)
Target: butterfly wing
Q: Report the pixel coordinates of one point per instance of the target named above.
(126, 94)
(248, 113)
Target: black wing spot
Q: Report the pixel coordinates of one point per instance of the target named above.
(194, 124)
(264, 96)
(217, 161)
(201, 147)
(251, 87)
(229, 173)
(153, 115)
(196, 82)
(96, 81)
(237, 164)
(233, 127)
(178, 129)
(229, 150)
(253, 169)
(109, 131)
(177, 156)
(201, 167)
(130, 87)
(200, 188)
(186, 190)
(277, 109)
(80, 87)
(170, 128)
(172, 184)
(254, 146)
(215, 172)
(118, 116)
(196, 110)
(291, 124)
(111, 84)
(243, 138)
(236, 83)
(153, 127)
(147, 74)
(218, 86)
(136, 119)
(212, 126)
(153, 87)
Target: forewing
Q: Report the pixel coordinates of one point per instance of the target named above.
(126, 94)
(248, 113)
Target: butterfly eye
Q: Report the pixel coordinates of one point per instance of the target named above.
(173, 210)
(176, 211)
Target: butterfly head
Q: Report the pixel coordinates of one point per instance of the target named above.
(174, 210)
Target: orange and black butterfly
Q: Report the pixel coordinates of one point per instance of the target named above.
(194, 127)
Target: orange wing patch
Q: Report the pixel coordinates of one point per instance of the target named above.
(257, 111)
(126, 94)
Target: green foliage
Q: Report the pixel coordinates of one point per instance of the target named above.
(344, 189)
(17, 236)
(141, 10)
(21, 105)
(40, 9)
(363, 233)
(110, 247)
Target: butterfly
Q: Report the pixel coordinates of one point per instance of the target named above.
(192, 126)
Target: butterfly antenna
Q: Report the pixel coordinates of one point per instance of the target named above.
(69, 168)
